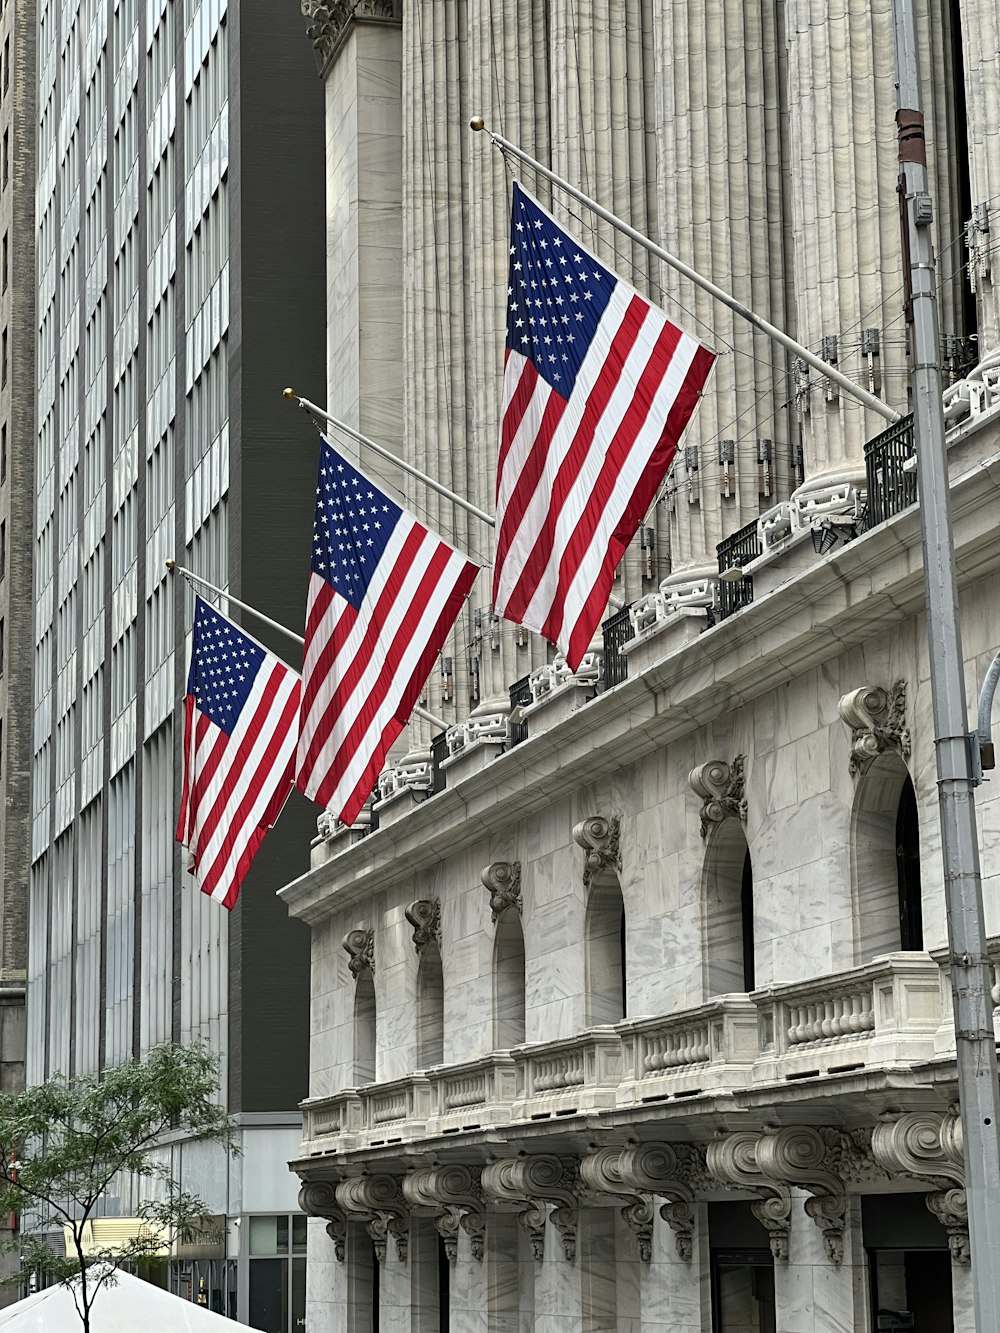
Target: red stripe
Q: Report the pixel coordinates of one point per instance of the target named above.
(421, 671)
(577, 454)
(236, 757)
(402, 638)
(642, 497)
(329, 676)
(618, 449)
(259, 779)
(515, 409)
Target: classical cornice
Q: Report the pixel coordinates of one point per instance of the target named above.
(857, 592)
(328, 23)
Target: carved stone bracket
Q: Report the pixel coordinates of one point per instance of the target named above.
(455, 1196)
(800, 1155)
(599, 838)
(360, 946)
(732, 1160)
(503, 879)
(530, 1182)
(634, 1173)
(425, 917)
(722, 788)
(330, 21)
(877, 719)
(318, 1198)
(378, 1202)
(927, 1146)
(600, 1173)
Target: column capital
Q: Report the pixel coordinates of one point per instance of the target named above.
(330, 21)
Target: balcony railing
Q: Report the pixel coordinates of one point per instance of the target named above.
(884, 1014)
(520, 697)
(617, 631)
(892, 486)
(736, 552)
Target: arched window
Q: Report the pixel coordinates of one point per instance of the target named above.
(508, 981)
(729, 916)
(364, 1028)
(886, 854)
(430, 1008)
(605, 956)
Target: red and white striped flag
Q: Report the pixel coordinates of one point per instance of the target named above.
(240, 726)
(383, 594)
(598, 387)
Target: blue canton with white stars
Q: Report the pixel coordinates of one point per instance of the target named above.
(224, 666)
(354, 520)
(556, 295)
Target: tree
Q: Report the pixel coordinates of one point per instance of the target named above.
(64, 1142)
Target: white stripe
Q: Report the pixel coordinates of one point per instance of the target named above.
(322, 634)
(538, 507)
(524, 437)
(329, 687)
(627, 480)
(207, 815)
(417, 643)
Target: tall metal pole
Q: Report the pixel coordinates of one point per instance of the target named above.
(970, 970)
(770, 330)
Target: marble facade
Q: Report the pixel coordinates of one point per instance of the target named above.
(643, 1022)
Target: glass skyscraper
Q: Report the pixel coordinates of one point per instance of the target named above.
(180, 285)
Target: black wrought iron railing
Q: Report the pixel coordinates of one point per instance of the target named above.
(617, 631)
(439, 753)
(892, 486)
(736, 552)
(520, 697)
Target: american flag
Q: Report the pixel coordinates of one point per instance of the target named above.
(383, 594)
(240, 725)
(598, 387)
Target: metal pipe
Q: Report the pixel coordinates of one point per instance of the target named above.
(778, 335)
(282, 629)
(969, 965)
(984, 722)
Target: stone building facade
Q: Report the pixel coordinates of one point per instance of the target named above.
(630, 1001)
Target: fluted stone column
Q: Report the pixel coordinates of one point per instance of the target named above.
(848, 249)
(981, 53)
(720, 132)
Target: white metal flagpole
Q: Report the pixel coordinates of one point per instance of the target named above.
(274, 624)
(778, 335)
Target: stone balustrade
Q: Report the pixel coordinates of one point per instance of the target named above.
(884, 1013)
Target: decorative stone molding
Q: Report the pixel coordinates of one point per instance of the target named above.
(378, 1201)
(455, 1195)
(600, 1173)
(669, 1171)
(927, 1146)
(722, 788)
(530, 1182)
(599, 837)
(800, 1155)
(877, 719)
(425, 917)
(330, 21)
(503, 879)
(360, 945)
(318, 1198)
(732, 1160)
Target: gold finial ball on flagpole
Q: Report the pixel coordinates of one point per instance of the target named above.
(171, 565)
(289, 393)
(477, 123)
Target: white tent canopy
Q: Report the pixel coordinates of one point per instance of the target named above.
(129, 1305)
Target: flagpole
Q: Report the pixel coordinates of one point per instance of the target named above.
(387, 454)
(175, 568)
(831, 372)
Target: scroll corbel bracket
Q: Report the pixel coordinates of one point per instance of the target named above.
(503, 881)
(732, 1160)
(424, 916)
(801, 1155)
(722, 788)
(360, 948)
(318, 1198)
(876, 717)
(600, 839)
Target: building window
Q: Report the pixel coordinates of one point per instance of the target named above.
(3, 359)
(6, 158)
(1, 646)
(605, 956)
(6, 65)
(5, 261)
(364, 1028)
(430, 1008)
(277, 1295)
(729, 914)
(3, 549)
(886, 860)
(508, 981)
(3, 452)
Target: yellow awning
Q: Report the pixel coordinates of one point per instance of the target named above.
(114, 1233)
